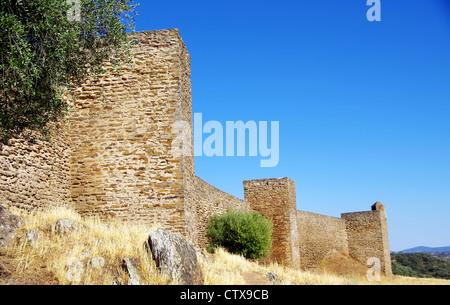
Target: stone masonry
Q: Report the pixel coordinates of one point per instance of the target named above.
(275, 199)
(116, 157)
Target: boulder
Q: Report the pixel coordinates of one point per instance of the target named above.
(272, 278)
(9, 225)
(175, 256)
(97, 263)
(30, 237)
(66, 226)
(129, 265)
(74, 270)
(4, 272)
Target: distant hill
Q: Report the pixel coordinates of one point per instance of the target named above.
(444, 255)
(422, 249)
(420, 265)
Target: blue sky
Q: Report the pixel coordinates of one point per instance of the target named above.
(364, 107)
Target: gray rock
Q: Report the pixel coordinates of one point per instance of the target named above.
(85, 253)
(97, 262)
(74, 270)
(175, 256)
(4, 272)
(30, 237)
(66, 226)
(9, 225)
(129, 265)
(203, 257)
(272, 278)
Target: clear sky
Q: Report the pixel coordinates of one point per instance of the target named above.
(363, 107)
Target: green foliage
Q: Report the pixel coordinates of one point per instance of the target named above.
(246, 234)
(45, 50)
(420, 265)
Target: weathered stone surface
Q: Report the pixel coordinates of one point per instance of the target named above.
(30, 237)
(275, 199)
(129, 265)
(9, 225)
(175, 256)
(97, 262)
(4, 272)
(74, 270)
(272, 278)
(318, 235)
(66, 226)
(368, 237)
(34, 173)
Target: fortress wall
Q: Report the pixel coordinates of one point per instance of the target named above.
(318, 234)
(211, 201)
(275, 199)
(127, 153)
(367, 237)
(36, 174)
(123, 164)
(184, 141)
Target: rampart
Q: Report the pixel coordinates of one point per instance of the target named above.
(368, 236)
(275, 199)
(120, 156)
(318, 234)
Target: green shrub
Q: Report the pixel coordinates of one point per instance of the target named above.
(246, 234)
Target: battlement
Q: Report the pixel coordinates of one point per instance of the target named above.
(115, 158)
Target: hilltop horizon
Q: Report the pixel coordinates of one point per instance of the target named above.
(425, 249)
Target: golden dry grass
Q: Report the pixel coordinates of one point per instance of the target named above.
(229, 269)
(46, 262)
(112, 241)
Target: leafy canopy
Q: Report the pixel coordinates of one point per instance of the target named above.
(49, 46)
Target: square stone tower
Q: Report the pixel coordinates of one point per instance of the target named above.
(123, 134)
(275, 199)
(367, 235)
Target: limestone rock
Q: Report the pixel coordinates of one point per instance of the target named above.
(4, 272)
(74, 270)
(66, 226)
(272, 278)
(129, 265)
(175, 256)
(31, 236)
(9, 225)
(97, 262)
(202, 256)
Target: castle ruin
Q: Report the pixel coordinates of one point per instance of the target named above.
(114, 159)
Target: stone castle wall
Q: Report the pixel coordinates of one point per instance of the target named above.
(122, 161)
(318, 235)
(303, 239)
(124, 155)
(368, 237)
(275, 199)
(35, 174)
(209, 201)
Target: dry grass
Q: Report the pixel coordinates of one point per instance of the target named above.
(228, 269)
(47, 261)
(56, 253)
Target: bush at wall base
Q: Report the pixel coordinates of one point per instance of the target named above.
(246, 234)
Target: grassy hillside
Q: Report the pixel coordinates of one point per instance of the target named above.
(420, 265)
(52, 259)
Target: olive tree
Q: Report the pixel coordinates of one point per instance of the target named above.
(49, 46)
